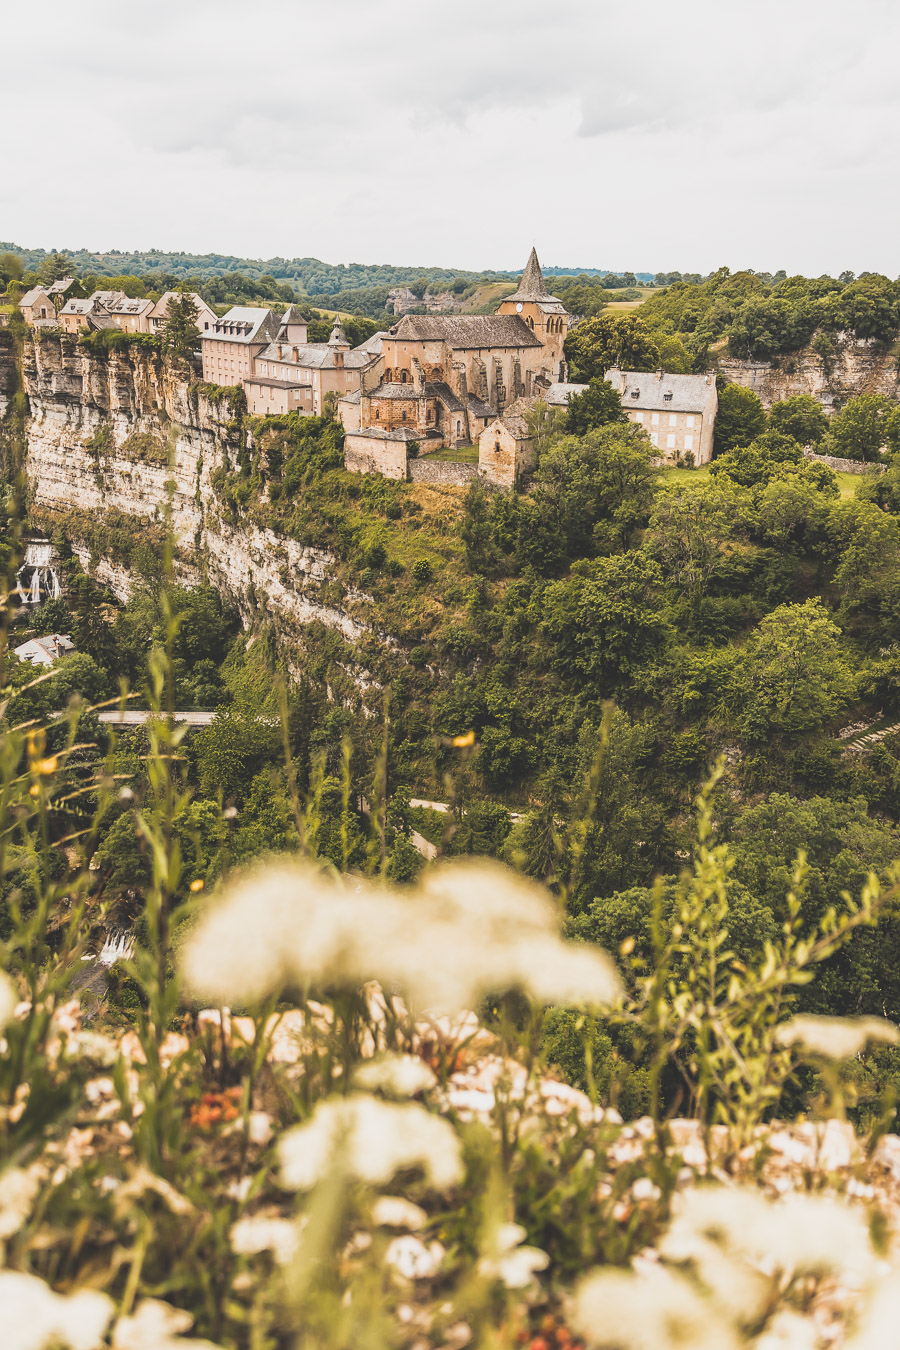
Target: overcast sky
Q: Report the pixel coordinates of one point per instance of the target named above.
(642, 135)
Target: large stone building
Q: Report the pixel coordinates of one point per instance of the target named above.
(678, 412)
(442, 379)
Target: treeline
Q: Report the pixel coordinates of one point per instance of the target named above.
(759, 317)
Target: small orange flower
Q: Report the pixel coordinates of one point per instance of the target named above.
(197, 885)
(463, 742)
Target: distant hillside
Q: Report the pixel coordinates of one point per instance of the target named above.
(308, 276)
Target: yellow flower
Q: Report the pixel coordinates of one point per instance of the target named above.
(463, 742)
(46, 766)
(197, 885)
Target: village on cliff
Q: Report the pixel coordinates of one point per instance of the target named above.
(431, 382)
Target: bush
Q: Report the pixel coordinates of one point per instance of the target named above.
(422, 572)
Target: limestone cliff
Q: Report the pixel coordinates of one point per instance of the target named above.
(854, 366)
(128, 432)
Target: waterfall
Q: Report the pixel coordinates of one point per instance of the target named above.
(119, 946)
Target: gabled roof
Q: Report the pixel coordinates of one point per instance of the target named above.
(31, 297)
(61, 286)
(130, 306)
(466, 332)
(79, 306)
(647, 390)
(244, 323)
(292, 315)
(372, 345)
(558, 395)
(311, 355)
(101, 321)
(161, 308)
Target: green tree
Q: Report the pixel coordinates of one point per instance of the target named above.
(793, 676)
(691, 532)
(180, 334)
(53, 268)
(605, 619)
(859, 430)
(590, 495)
(801, 417)
(11, 267)
(607, 340)
(741, 417)
(599, 405)
(756, 463)
(793, 513)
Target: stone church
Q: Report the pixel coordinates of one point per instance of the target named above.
(443, 378)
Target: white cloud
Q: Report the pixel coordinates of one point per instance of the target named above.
(647, 136)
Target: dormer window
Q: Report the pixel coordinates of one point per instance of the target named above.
(668, 396)
(635, 393)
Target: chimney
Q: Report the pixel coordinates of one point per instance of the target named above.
(295, 354)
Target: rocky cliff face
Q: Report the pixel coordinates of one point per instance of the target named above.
(125, 431)
(854, 367)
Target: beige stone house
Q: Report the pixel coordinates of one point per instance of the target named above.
(230, 346)
(37, 304)
(58, 290)
(506, 448)
(678, 412)
(322, 368)
(131, 315)
(160, 311)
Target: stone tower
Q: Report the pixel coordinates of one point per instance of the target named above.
(543, 313)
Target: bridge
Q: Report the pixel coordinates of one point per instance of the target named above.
(136, 717)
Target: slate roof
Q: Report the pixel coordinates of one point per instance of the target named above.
(532, 286)
(292, 315)
(252, 323)
(275, 384)
(396, 434)
(79, 306)
(130, 306)
(161, 308)
(61, 286)
(312, 355)
(395, 390)
(101, 321)
(443, 392)
(646, 390)
(558, 395)
(466, 331)
(479, 409)
(30, 297)
(372, 345)
(513, 417)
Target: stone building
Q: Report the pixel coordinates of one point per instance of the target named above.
(506, 448)
(132, 315)
(77, 314)
(678, 412)
(320, 369)
(230, 346)
(442, 379)
(37, 304)
(160, 312)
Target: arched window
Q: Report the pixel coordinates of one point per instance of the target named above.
(458, 427)
(403, 417)
(377, 415)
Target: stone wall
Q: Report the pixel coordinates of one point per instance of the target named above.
(845, 465)
(444, 472)
(371, 454)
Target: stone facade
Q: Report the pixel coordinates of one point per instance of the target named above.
(678, 412)
(506, 449)
(845, 465)
(372, 454)
(441, 472)
(444, 379)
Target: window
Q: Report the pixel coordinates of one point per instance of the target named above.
(668, 396)
(655, 419)
(635, 393)
(403, 417)
(458, 427)
(688, 442)
(654, 438)
(377, 415)
(670, 441)
(639, 417)
(690, 420)
(673, 419)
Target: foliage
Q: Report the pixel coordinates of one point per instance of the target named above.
(739, 420)
(607, 340)
(801, 417)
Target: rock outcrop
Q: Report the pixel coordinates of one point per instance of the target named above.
(854, 366)
(128, 432)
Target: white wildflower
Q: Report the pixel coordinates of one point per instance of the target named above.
(653, 1311)
(374, 1139)
(393, 1211)
(473, 928)
(807, 1233)
(156, 1326)
(877, 1329)
(412, 1259)
(836, 1037)
(508, 1261)
(265, 1233)
(18, 1190)
(395, 1075)
(33, 1316)
(9, 999)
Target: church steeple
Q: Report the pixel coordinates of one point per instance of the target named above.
(532, 286)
